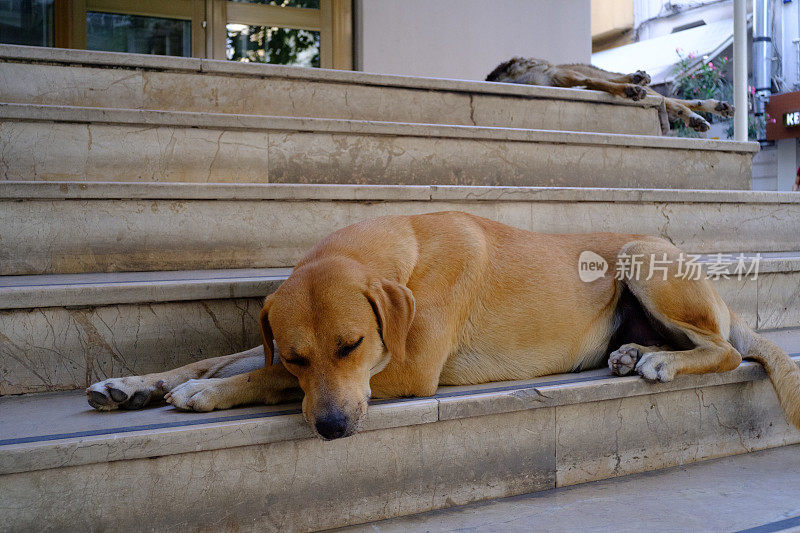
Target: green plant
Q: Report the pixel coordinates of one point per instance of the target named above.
(701, 81)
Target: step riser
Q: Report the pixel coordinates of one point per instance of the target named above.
(38, 83)
(56, 348)
(147, 152)
(298, 485)
(184, 233)
(87, 344)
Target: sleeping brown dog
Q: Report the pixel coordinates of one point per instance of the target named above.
(398, 305)
(528, 70)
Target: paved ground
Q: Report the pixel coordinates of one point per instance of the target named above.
(758, 490)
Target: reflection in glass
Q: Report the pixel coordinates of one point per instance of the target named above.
(27, 22)
(279, 46)
(116, 32)
(310, 4)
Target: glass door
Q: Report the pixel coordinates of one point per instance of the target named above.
(311, 33)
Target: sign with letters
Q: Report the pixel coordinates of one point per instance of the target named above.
(791, 119)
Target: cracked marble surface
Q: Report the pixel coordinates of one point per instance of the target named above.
(93, 144)
(175, 234)
(399, 466)
(221, 87)
(67, 348)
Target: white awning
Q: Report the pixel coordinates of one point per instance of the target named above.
(658, 56)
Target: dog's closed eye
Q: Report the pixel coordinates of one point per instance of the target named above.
(345, 350)
(295, 359)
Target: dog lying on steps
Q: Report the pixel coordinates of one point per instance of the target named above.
(398, 305)
(634, 86)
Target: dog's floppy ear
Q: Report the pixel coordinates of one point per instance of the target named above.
(393, 304)
(266, 331)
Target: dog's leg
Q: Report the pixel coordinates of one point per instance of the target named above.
(677, 110)
(623, 360)
(270, 385)
(690, 312)
(565, 78)
(639, 77)
(715, 107)
(134, 392)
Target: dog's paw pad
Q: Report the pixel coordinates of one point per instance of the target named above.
(656, 366)
(725, 109)
(635, 92)
(197, 395)
(622, 361)
(698, 123)
(640, 77)
(121, 393)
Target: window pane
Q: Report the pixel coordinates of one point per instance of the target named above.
(279, 46)
(114, 32)
(310, 4)
(27, 22)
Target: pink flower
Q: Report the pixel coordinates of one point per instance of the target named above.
(726, 58)
(772, 121)
(752, 90)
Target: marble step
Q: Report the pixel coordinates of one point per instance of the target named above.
(260, 468)
(113, 227)
(66, 331)
(41, 142)
(33, 75)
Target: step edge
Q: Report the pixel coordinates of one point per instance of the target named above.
(104, 293)
(23, 190)
(44, 455)
(96, 59)
(229, 121)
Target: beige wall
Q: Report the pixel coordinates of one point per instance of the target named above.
(466, 39)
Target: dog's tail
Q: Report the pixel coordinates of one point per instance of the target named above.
(782, 371)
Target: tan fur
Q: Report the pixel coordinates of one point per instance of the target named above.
(398, 305)
(539, 72)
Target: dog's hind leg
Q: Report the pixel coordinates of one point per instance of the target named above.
(715, 107)
(688, 313)
(677, 110)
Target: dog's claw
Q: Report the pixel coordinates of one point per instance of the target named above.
(635, 92)
(132, 392)
(640, 77)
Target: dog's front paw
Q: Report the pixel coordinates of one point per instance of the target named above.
(132, 392)
(698, 123)
(635, 92)
(724, 108)
(656, 366)
(640, 77)
(199, 395)
(623, 360)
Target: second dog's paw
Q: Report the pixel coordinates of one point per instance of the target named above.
(198, 395)
(635, 92)
(656, 366)
(698, 123)
(133, 392)
(640, 77)
(724, 108)
(623, 360)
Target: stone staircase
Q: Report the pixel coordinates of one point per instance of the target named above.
(98, 116)
(110, 266)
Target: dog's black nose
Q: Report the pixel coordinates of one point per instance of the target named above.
(332, 426)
